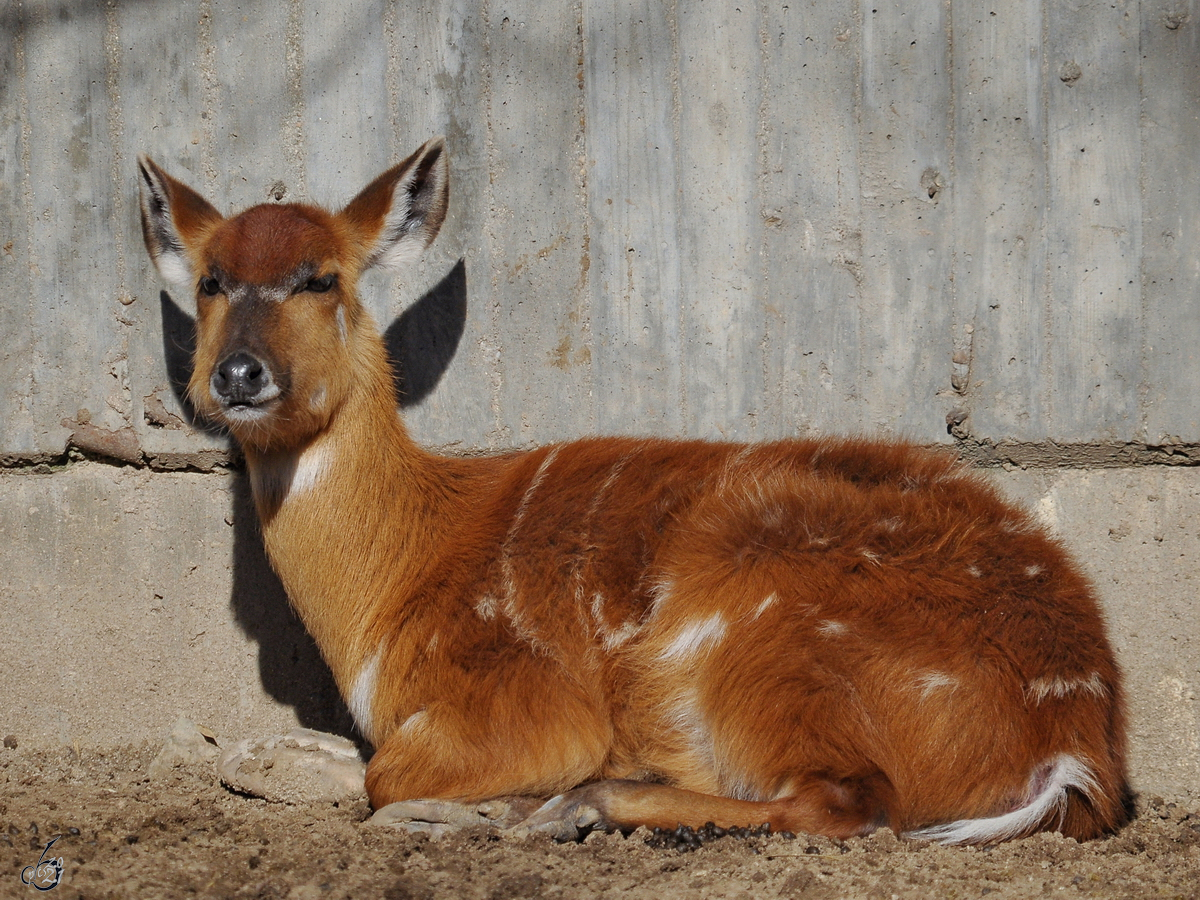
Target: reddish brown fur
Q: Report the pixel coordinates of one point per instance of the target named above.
(829, 635)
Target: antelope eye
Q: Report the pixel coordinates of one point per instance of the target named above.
(210, 285)
(320, 285)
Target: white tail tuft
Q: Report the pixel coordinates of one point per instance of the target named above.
(1048, 792)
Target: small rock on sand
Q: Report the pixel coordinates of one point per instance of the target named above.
(189, 747)
(302, 766)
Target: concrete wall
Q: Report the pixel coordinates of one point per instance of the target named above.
(714, 219)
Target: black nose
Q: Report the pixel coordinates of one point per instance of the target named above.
(241, 380)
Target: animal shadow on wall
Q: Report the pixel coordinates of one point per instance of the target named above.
(421, 342)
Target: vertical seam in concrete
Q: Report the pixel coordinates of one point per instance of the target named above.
(755, 412)
(116, 128)
(211, 95)
(680, 302)
(293, 123)
(494, 352)
(392, 85)
(860, 379)
(391, 80)
(584, 288)
(22, 72)
(771, 400)
(1143, 386)
(958, 330)
(1045, 375)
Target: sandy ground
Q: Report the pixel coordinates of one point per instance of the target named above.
(123, 835)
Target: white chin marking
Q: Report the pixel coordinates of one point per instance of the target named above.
(244, 415)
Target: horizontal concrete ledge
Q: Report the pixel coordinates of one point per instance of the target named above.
(1050, 455)
(983, 453)
(136, 596)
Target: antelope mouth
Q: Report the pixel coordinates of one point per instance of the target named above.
(250, 411)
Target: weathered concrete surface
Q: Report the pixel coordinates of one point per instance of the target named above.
(132, 600)
(713, 219)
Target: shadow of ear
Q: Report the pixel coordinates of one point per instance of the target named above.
(179, 348)
(423, 340)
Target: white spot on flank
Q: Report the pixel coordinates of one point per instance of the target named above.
(931, 681)
(661, 591)
(762, 607)
(830, 628)
(613, 474)
(614, 639)
(610, 638)
(974, 572)
(1033, 571)
(1042, 688)
(696, 637)
(686, 717)
(506, 568)
(534, 484)
(485, 606)
(413, 722)
(362, 693)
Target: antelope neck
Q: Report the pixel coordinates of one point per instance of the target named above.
(337, 515)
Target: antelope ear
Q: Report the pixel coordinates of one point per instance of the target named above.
(400, 213)
(174, 220)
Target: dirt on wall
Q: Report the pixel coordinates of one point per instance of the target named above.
(120, 834)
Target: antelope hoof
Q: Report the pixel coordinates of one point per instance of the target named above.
(437, 818)
(567, 817)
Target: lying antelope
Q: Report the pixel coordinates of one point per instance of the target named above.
(829, 636)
